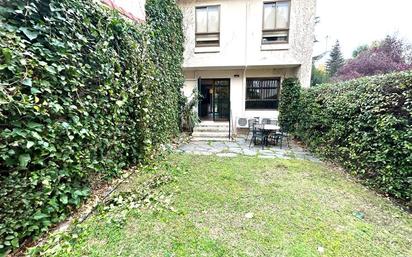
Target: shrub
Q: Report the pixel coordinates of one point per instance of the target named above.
(389, 55)
(319, 76)
(189, 117)
(289, 104)
(84, 93)
(366, 125)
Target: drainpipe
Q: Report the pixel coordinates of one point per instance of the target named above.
(246, 52)
(246, 33)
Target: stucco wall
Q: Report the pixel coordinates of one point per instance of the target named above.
(241, 33)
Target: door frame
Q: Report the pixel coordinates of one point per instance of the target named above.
(199, 87)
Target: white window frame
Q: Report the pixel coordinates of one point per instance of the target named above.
(266, 33)
(201, 36)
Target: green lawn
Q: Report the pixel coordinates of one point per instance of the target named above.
(299, 208)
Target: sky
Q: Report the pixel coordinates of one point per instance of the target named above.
(357, 22)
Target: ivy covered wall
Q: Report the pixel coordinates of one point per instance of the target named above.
(84, 93)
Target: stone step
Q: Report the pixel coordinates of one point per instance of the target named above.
(211, 139)
(210, 134)
(211, 129)
(213, 124)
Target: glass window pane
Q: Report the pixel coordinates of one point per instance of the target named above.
(201, 20)
(272, 93)
(282, 15)
(269, 15)
(262, 93)
(213, 19)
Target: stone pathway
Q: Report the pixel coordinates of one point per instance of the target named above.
(241, 147)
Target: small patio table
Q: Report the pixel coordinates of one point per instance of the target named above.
(270, 127)
(267, 129)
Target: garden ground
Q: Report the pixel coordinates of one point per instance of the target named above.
(240, 146)
(201, 205)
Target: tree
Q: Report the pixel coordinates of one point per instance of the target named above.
(319, 76)
(336, 60)
(389, 55)
(360, 49)
(188, 116)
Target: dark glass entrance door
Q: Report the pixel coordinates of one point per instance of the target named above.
(214, 103)
(221, 103)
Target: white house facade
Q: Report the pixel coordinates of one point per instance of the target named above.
(237, 53)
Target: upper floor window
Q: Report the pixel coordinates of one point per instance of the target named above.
(208, 26)
(276, 22)
(262, 93)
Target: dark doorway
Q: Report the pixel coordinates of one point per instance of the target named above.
(214, 103)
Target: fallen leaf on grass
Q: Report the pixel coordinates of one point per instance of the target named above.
(249, 215)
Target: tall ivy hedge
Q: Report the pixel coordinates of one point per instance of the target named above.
(84, 93)
(366, 125)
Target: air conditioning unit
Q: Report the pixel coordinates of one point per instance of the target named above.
(242, 123)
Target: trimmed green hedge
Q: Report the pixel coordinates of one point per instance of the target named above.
(84, 93)
(289, 104)
(366, 125)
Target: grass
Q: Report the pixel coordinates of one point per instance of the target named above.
(299, 208)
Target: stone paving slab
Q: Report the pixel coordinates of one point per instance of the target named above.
(241, 147)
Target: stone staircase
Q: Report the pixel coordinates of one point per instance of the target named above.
(211, 131)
